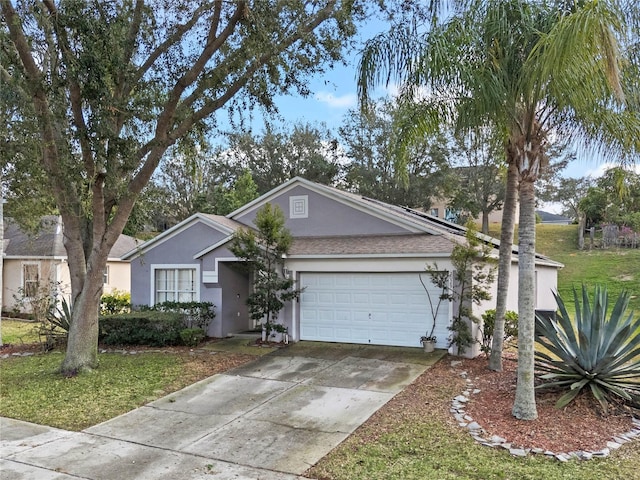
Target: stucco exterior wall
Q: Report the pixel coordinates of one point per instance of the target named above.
(179, 249)
(52, 273)
(325, 216)
(119, 277)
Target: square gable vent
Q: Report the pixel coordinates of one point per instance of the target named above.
(299, 206)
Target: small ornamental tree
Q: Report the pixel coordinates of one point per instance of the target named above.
(263, 250)
(473, 273)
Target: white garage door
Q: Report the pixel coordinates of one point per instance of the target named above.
(371, 308)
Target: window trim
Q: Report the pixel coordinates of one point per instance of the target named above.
(296, 201)
(22, 276)
(106, 275)
(175, 267)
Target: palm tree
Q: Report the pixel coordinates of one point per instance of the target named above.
(532, 70)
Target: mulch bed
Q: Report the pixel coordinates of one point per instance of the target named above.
(581, 425)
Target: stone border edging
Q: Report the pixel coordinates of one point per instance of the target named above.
(476, 431)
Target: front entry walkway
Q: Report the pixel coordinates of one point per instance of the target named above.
(270, 419)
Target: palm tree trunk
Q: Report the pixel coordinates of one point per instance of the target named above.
(504, 266)
(524, 406)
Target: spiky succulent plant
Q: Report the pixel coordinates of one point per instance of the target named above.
(596, 349)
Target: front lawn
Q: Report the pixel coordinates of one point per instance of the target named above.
(34, 391)
(18, 332)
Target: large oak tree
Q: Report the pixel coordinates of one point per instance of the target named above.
(95, 92)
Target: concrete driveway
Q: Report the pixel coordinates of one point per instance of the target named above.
(270, 419)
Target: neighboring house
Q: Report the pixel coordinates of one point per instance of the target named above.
(34, 264)
(552, 218)
(358, 260)
(440, 208)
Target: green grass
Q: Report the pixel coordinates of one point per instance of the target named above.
(16, 332)
(34, 391)
(617, 269)
(433, 449)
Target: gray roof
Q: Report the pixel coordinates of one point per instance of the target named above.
(47, 241)
(123, 245)
(371, 245)
(548, 217)
(224, 221)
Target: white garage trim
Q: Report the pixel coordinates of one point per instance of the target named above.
(370, 308)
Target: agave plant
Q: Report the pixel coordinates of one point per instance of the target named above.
(593, 350)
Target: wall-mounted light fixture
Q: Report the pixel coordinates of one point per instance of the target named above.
(286, 273)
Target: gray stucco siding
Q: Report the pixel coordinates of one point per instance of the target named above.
(325, 217)
(209, 259)
(177, 250)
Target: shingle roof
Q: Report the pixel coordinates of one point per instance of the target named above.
(47, 242)
(123, 245)
(225, 221)
(371, 245)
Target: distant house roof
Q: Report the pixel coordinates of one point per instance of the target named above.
(123, 245)
(47, 241)
(547, 217)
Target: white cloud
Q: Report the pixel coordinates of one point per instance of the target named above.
(348, 100)
(600, 169)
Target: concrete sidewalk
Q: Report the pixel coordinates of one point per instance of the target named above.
(270, 419)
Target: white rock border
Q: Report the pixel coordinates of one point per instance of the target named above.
(478, 433)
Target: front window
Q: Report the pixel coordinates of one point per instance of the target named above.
(30, 279)
(175, 285)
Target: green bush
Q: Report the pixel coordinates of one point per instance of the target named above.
(151, 328)
(196, 314)
(593, 350)
(115, 303)
(53, 330)
(191, 337)
(489, 323)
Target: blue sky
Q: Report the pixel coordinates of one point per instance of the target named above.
(335, 92)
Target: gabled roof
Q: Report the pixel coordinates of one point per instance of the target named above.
(428, 235)
(412, 219)
(353, 200)
(224, 225)
(47, 242)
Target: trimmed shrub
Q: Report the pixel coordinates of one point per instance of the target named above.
(489, 323)
(115, 303)
(196, 314)
(157, 329)
(191, 337)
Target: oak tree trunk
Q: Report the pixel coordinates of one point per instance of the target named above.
(82, 344)
(485, 222)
